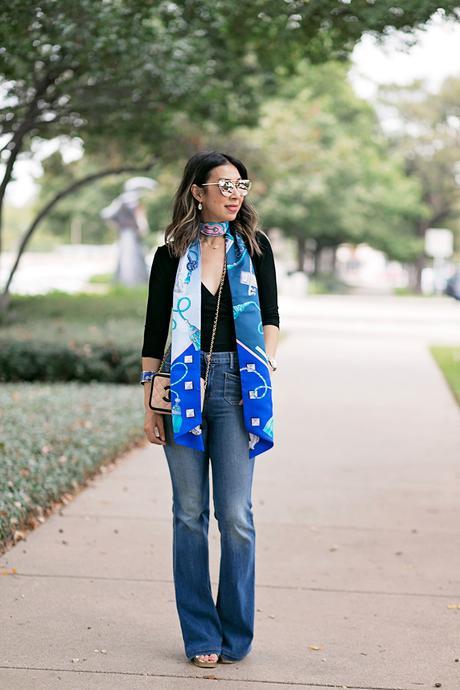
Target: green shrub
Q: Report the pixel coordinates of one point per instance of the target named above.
(44, 361)
(115, 319)
(54, 437)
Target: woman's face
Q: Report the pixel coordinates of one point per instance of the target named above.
(216, 206)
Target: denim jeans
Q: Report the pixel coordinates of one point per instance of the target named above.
(226, 626)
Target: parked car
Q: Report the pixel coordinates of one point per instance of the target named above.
(453, 285)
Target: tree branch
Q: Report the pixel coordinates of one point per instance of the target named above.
(15, 142)
(47, 208)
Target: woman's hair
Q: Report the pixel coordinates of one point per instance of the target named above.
(184, 227)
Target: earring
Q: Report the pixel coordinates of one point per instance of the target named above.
(200, 206)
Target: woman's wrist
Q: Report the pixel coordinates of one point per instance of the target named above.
(147, 386)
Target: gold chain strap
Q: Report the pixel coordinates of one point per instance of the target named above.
(214, 328)
(164, 356)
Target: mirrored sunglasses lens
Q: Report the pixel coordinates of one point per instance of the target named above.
(226, 187)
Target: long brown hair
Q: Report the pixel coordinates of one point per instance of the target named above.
(184, 227)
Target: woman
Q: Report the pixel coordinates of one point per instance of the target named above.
(212, 238)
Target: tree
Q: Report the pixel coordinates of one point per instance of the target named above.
(121, 70)
(327, 170)
(428, 136)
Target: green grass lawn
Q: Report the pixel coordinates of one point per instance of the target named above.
(84, 336)
(53, 438)
(116, 317)
(327, 283)
(448, 359)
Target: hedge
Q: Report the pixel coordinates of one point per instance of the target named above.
(53, 438)
(44, 361)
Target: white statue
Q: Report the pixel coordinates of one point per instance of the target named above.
(128, 215)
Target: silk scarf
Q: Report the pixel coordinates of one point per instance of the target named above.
(186, 347)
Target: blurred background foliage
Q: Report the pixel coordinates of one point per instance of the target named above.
(265, 80)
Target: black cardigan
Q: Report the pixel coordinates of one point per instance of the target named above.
(160, 297)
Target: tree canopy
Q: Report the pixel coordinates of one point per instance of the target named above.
(124, 74)
(328, 172)
(122, 69)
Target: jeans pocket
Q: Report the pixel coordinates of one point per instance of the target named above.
(232, 388)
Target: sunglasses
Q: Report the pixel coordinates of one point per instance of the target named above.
(227, 187)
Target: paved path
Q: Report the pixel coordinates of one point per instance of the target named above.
(358, 523)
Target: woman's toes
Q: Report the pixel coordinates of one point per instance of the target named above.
(208, 657)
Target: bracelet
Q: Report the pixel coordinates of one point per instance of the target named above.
(272, 362)
(146, 376)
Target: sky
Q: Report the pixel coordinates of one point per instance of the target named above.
(434, 56)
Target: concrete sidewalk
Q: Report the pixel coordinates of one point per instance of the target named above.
(357, 515)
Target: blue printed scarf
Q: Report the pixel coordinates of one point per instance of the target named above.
(186, 347)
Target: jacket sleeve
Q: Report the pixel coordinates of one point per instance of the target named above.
(159, 303)
(264, 267)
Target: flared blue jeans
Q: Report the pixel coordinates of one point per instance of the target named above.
(226, 626)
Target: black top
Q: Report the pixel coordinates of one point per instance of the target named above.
(160, 297)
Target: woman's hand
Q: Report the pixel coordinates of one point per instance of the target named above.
(154, 427)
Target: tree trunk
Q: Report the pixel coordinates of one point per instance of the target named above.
(412, 274)
(301, 252)
(334, 259)
(317, 260)
(419, 265)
